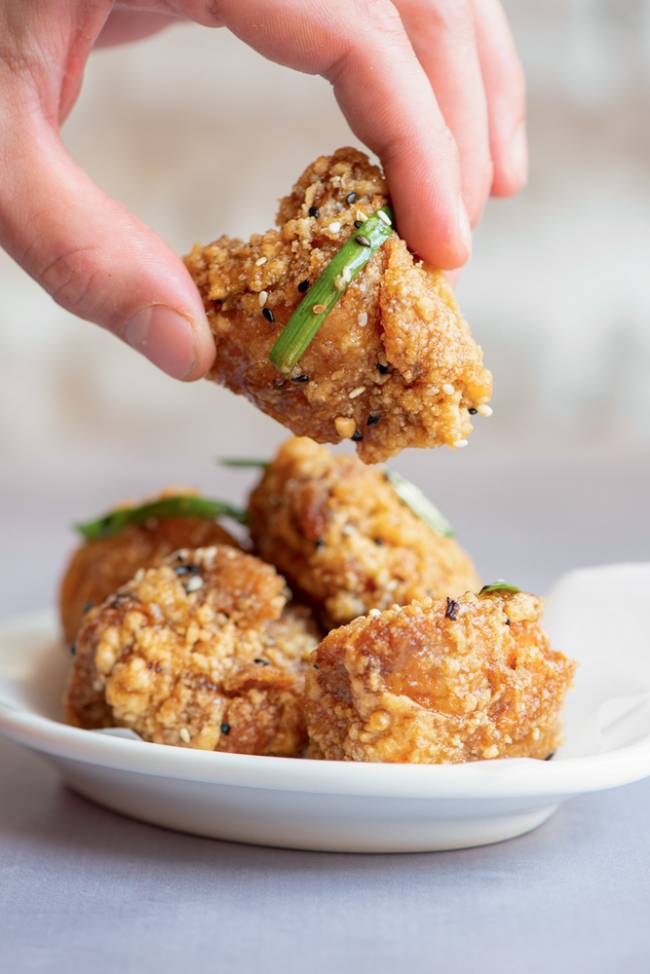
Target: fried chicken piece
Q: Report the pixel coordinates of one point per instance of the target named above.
(439, 682)
(199, 651)
(394, 364)
(345, 540)
(97, 568)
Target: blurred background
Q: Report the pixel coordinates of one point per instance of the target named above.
(199, 136)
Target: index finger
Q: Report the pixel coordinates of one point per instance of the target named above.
(362, 47)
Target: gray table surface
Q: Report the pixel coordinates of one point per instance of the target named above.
(82, 889)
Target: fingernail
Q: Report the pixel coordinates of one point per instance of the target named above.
(163, 336)
(518, 162)
(464, 228)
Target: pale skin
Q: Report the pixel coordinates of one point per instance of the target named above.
(433, 87)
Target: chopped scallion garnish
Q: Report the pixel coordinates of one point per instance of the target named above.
(180, 505)
(499, 586)
(243, 462)
(419, 503)
(328, 287)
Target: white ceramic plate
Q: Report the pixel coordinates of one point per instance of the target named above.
(594, 615)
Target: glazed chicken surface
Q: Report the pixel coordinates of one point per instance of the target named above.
(344, 539)
(203, 650)
(438, 681)
(394, 364)
(97, 568)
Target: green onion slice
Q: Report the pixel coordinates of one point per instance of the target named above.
(499, 586)
(326, 290)
(419, 503)
(179, 505)
(243, 463)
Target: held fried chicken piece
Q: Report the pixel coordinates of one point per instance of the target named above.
(439, 681)
(199, 651)
(394, 364)
(97, 568)
(345, 540)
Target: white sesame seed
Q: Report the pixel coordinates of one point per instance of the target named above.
(360, 215)
(459, 444)
(448, 389)
(334, 227)
(184, 735)
(261, 297)
(384, 218)
(346, 274)
(374, 613)
(356, 392)
(260, 261)
(318, 308)
(194, 583)
(485, 410)
(340, 283)
(362, 319)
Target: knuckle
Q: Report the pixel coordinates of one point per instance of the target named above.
(452, 17)
(381, 16)
(70, 277)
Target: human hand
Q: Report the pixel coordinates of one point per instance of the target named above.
(433, 87)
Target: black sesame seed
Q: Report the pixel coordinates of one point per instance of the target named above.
(279, 383)
(313, 211)
(303, 286)
(383, 369)
(358, 224)
(550, 756)
(303, 377)
(225, 727)
(362, 241)
(319, 543)
(187, 570)
(87, 606)
(268, 314)
(350, 198)
(73, 649)
(356, 436)
(451, 612)
(316, 666)
(507, 622)
(260, 661)
(378, 541)
(472, 411)
(373, 419)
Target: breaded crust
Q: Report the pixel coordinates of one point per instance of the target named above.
(199, 651)
(439, 682)
(393, 366)
(344, 540)
(97, 568)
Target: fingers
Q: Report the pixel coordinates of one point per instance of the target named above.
(363, 49)
(505, 88)
(94, 257)
(389, 104)
(443, 37)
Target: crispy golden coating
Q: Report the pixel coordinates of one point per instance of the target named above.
(199, 651)
(438, 681)
(394, 364)
(343, 538)
(97, 568)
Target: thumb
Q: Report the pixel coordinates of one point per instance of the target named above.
(94, 257)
